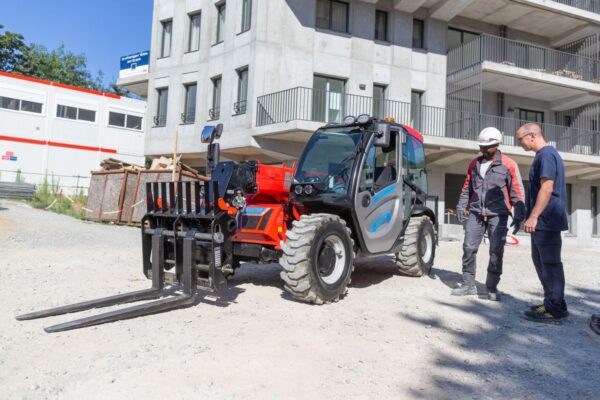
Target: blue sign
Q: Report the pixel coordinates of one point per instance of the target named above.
(134, 64)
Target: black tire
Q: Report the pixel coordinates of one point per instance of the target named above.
(418, 250)
(313, 268)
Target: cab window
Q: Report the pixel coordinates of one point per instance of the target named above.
(413, 156)
(380, 168)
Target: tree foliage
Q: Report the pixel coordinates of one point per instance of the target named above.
(11, 50)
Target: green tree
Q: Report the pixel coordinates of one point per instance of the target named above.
(11, 50)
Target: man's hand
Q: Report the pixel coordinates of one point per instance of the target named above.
(460, 215)
(530, 224)
(516, 222)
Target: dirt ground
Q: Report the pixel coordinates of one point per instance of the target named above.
(391, 337)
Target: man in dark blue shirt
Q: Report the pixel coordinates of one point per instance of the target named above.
(546, 218)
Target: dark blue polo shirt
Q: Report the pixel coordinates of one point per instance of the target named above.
(548, 164)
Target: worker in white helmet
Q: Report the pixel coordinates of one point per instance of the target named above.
(492, 188)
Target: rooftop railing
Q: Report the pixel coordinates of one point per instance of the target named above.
(523, 55)
(305, 104)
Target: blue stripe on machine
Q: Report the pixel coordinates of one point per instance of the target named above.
(255, 210)
(388, 190)
(381, 220)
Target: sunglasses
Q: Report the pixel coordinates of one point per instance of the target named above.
(524, 136)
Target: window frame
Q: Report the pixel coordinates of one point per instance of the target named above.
(381, 100)
(191, 17)
(386, 25)
(330, 16)
(527, 111)
(246, 23)
(186, 105)
(126, 117)
(216, 97)
(164, 24)
(19, 104)
(240, 109)
(220, 33)
(421, 24)
(160, 93)
(77, 112)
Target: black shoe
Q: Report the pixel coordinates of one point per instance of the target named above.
(464, 290)
(493, 296)
(542, 308)
(541, 315)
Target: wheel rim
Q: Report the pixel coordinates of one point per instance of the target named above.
(331, 261)
(426, 248)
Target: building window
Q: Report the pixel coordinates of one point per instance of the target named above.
(220, 22)
(457, 37)
(240, 106)
(328, 99)
(531, 116)
(161, 107)
(418, 41)
(75, 113)
(194, 34)
(594, 210)
(215, 111)
(381, 25)
(246, 15)
(379, 101)
(416, 107)
(189, 114)
(20, 105)
(332, 15)
(165, 49)
(122, 120)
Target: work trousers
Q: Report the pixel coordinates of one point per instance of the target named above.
(475, 228)
(545, 252)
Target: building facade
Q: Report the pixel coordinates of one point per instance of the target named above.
(274, 71)
(63, 132)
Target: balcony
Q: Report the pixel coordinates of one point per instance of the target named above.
(214, 113)
(305, 104)
(586, 5)
(159, 121)
(502, 65)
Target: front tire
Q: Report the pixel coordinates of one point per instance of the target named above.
(418, 250)
(318, 258)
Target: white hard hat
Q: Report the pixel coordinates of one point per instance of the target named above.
(489, 136)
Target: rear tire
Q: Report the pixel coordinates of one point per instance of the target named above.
(318, 258)
(418, 250)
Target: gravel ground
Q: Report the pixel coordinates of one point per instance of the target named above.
(391, 337)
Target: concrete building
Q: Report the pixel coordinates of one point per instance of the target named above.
(272, 71)
(63, 132)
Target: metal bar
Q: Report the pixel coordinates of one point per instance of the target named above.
(207, 205)
(155, 196)
(197, 197)
(179, 200)
(149, 201)
(190, 275)
(97, 303)
(163, 196)
(172, 205)
(188, 197)
(130, 312)
(158, 257)
(170, 233)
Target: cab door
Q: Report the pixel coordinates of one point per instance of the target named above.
(378, 200)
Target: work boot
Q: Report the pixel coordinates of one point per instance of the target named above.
(542, 308)
(540, 314)
(464, 290)
(493, 295)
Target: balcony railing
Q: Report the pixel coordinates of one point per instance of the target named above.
(188, 118)
(214, 113)
(159, 120)
(315, 105)
(523, 55)
(240, 107)
(587, 5)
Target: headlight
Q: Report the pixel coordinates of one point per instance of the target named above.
(363, 118)
(308, 189)
(298, 189)
(349, 120)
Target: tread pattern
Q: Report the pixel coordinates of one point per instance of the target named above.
(407, 259)
(295, 259)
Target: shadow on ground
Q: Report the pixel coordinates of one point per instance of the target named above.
(523, 359)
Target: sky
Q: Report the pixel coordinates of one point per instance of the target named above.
(103, 30)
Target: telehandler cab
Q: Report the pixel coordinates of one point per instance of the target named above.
(359, 189)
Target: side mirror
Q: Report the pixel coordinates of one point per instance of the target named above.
(210, 133)
(382, 135)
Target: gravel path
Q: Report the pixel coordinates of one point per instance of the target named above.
(392, 337)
